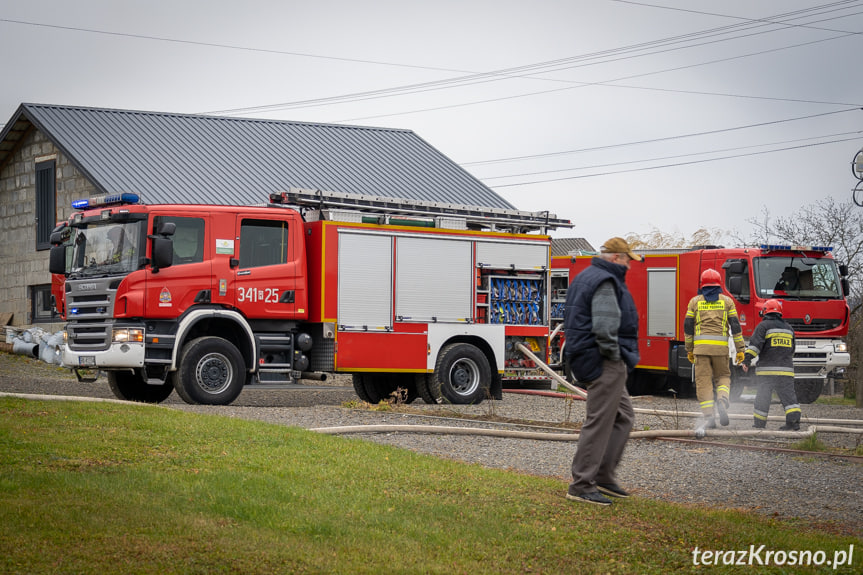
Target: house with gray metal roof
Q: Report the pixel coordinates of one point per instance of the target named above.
(51, 155)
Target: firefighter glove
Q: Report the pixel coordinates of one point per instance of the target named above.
(691, 357)
(739, 357)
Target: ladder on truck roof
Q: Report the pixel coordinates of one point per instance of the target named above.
(319, 204)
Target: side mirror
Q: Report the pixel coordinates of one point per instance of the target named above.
(57, 260)
(166, 229)
(734, 267)
(735, 285)
(163, 252)
(843, 270)
(846, 287)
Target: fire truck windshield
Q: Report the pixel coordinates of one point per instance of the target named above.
(797, 278)
(108, 248)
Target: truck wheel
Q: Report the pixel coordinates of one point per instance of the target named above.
(131, 386)
(462, 375)
(212, 372)
(808, 390)
(422, 381)
(359, 381)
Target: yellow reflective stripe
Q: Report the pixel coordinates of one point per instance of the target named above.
(791, 410)
(721, 388)
(707, 342)
(773, 372)
(708, 403)
(759, 416)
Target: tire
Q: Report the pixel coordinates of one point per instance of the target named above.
(132, 386)
(808, 390)
(462, 375)
(212, 372)
(422, 382)
(359, 381)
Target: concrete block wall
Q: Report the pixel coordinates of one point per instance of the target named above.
(21, 265)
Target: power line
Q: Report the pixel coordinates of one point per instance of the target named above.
(531, 70)
(224, 46)
(675, 165)
(654, 140)
(608, 83)
(670, 157)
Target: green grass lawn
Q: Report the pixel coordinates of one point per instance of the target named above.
(110, 488)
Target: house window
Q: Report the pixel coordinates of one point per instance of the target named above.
(46, 203)
(40, 301)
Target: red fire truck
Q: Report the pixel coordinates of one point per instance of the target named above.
(207, 300)
(807, 279)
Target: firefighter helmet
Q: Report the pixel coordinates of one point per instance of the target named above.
(710, 277)
(772, 306)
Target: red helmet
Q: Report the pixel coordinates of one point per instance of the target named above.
(772, 306)
(710, 277)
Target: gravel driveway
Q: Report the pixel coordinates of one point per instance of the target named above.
(825, 491)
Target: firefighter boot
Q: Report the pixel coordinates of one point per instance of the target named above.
(792, 422)
(722, 408)
(759, 423)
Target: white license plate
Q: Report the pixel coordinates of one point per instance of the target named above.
(87, 360)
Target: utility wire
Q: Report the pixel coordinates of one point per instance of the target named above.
(615, 172)
(661, 158)
(654, 140)
(608, 83)
(531, 70)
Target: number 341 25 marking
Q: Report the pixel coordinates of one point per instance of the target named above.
(254, 295)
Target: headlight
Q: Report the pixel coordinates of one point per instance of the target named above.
(127, 335)
(840, 347)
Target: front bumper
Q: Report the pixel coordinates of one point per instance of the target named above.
(118, 355)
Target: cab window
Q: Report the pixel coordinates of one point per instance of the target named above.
(188, 239)
(263, 243)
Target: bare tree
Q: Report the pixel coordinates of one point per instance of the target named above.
(658, 239)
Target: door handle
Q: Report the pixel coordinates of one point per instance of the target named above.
(287, 296)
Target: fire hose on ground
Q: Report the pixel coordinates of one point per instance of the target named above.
(820, 426)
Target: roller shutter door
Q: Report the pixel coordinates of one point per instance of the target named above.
(365, 281)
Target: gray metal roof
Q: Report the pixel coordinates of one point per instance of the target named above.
(571, 246)
(178, 158)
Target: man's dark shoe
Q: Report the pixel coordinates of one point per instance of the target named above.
(592, 497)
(722, 408)
(759, 424)
(790, 427)
(612, 490)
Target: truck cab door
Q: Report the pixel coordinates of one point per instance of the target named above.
(188, 281)
(269, 269)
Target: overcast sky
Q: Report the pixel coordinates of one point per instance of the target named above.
(608, 113)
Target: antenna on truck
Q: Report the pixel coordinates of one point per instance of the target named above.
(339, 205)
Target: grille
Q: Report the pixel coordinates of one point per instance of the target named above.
(815, 325)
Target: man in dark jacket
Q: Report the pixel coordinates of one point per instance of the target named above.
(772, 343)
(601, 348)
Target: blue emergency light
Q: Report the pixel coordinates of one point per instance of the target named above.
(105, 200)
(789, 248)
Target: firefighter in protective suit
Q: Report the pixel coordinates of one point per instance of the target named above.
(710, 318)
(772, 343)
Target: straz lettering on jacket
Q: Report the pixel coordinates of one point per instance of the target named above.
(779, 340)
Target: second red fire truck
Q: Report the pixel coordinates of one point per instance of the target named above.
(807, 279)
(208, 300)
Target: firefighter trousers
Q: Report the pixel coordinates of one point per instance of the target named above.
(607, 423)
(710, 369)
(784, 387)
